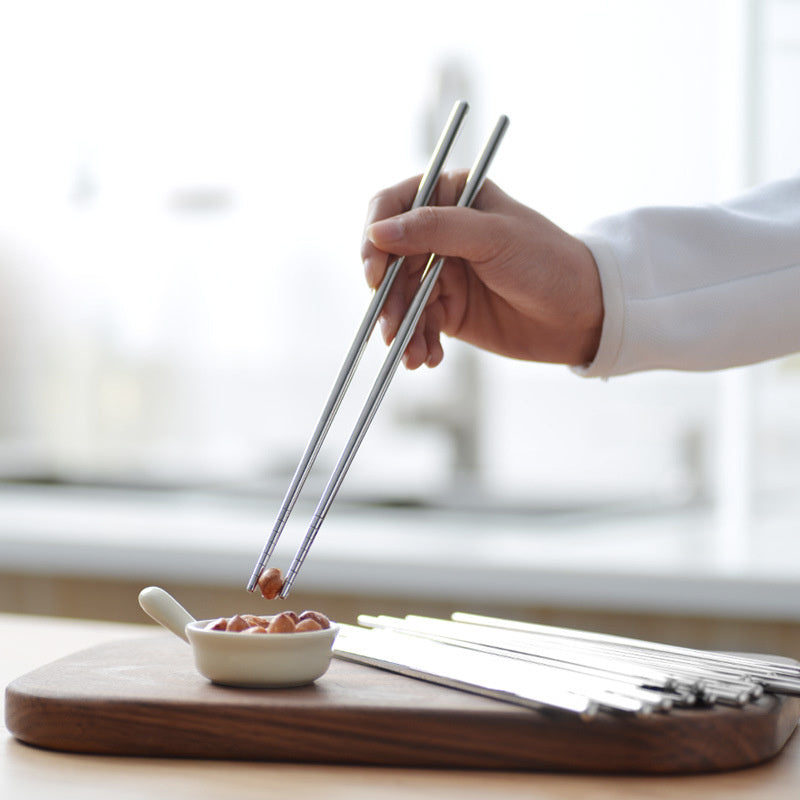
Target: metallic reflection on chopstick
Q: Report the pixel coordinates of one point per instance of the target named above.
(490, 656)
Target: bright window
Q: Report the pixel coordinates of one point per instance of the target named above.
(182, 191)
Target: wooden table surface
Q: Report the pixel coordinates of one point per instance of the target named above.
(27, 642)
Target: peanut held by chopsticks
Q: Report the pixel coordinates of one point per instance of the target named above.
(285, 622)
(270, 582)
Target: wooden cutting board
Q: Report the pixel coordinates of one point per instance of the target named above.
(143, 697)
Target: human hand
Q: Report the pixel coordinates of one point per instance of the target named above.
(513, 283)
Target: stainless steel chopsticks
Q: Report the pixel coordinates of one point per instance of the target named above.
(576, 671)
(475, 180)
(774, 675)
(628, 691)
(423, 196)
(480, 673)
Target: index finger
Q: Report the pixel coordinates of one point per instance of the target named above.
(386, 203)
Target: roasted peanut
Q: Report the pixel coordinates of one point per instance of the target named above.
(254, 619)
(307, 624)
(255, 629)
(220, 624)
(270, 582)
(319, 618)
(281, 623)
(236, 623)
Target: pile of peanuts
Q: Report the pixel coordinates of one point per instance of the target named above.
(285, 622)
(270, 582)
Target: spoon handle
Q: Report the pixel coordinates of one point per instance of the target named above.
(165, 610)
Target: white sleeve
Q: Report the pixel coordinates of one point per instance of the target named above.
(699, 288)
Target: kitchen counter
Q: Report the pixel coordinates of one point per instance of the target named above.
(673, 562)
(30, 641)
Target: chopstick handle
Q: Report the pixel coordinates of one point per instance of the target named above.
(427, 185)
(473, 185)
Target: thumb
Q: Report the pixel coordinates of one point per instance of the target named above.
(444, 230)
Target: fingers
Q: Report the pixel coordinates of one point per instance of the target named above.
(385, 204)
(392, 229)
(433, 329)
(395, 201)
(449, 231)
(392, 313)
(417, 350)
(425, 346)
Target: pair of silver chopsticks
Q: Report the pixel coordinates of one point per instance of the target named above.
(570, 670)
(430, 275)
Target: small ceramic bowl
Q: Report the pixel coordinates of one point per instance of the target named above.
(252, 660)
(261, 659)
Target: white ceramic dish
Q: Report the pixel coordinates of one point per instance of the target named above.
(268, 660)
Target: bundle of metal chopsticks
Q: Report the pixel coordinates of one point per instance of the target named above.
(541, 666)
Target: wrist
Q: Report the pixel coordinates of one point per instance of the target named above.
(588, 312)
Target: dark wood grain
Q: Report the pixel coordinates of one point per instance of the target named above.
(143, 698)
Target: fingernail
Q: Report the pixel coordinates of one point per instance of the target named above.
(370, 274)
(387, 230)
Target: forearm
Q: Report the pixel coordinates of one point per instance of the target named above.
(699, 288)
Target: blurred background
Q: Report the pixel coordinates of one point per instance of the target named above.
(182, 192)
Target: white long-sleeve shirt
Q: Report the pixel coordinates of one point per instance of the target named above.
(702, 287)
